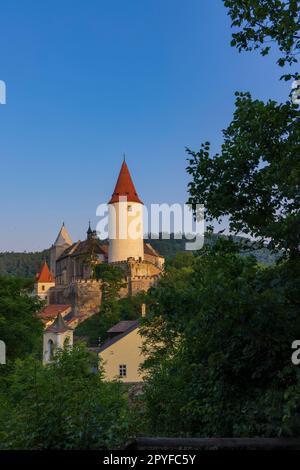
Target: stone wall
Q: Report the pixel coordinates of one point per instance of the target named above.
(83, 296)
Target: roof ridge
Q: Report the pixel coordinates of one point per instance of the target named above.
(63, 237)
(112, 341)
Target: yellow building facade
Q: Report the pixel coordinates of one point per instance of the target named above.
(121, 356)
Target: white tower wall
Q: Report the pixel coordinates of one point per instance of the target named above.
(126, 238)
(58, 342)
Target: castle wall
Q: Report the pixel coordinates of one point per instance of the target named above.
(83, 296)
(141, 284)
(140, 275)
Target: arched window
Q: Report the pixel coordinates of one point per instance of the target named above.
(50, 350)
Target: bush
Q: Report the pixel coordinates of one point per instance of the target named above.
(64, 405)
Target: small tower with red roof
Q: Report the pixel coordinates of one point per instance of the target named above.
(43, 282)
(126, 238)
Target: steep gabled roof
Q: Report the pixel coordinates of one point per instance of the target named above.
(50, 312)
(92, 245)
(115, 339)
(125, 187)
(122, 326)
(45, 275)
(63, 238)
(58, 326)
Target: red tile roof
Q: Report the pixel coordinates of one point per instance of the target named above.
(125, 187)
(45, 275)
(51, 311)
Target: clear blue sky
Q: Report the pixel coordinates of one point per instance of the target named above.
(89, 80)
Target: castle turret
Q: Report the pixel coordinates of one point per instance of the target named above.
(57, 335)
(44, 281)
(62, 242)
(125, 220)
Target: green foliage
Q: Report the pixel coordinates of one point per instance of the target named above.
(20, 329)
(64, 405)
(94, 329)
(112, 280)
(24, 265)
(28, 264)
(167, 247)
(220, 332)
(219, 335)
(180, 260)
(255, 179)
(113, 308)
(263, 22)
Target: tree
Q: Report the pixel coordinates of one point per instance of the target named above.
(64, 405)
(263, 22)
(254, 181)
(219, 332)
(113, 308)
(219, 339)
(112, 281)
(20, 328)
(24, 265)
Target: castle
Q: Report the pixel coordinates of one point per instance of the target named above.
(69, 288)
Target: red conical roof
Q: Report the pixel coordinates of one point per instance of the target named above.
(125, 187)
(45, 274)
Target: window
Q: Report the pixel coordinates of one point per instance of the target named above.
(50, 350)
(129, 208)
(122, 370)
(43, 287)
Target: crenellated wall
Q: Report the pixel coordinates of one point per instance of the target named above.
(85, 295)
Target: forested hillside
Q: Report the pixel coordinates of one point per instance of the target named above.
(168, 248)
(22, 264)
(28, 264)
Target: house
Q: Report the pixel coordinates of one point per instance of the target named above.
(121, 355)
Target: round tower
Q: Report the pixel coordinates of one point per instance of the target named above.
(126, 238)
